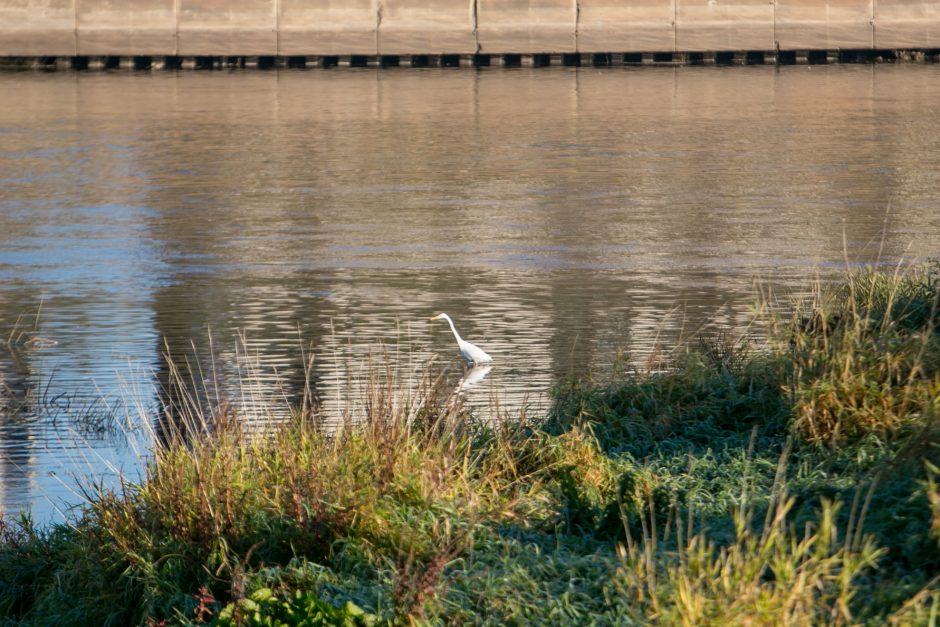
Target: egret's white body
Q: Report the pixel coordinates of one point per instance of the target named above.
(469, 351)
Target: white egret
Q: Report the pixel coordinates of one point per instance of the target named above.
(469, 351)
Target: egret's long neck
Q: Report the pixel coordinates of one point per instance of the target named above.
(454, 329)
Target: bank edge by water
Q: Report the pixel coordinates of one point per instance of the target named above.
(139, 63)
(793, 483)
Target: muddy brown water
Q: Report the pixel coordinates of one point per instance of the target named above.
(559, 216)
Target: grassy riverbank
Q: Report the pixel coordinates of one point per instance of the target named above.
(793, 483)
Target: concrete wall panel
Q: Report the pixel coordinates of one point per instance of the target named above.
(325, 27)
(533, 26)
(368, 27)
(827, 24)
(907, 23)
(426, 27)
(37, 27)
(227, 27)
(707, 25)
(131, 27)
(634, 25)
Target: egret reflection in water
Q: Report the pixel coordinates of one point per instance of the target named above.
(474, 376)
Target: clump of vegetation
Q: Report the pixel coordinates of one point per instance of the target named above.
(867, 364)
(795, 483)
(265, 609)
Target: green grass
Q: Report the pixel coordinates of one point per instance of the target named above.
(792, 483)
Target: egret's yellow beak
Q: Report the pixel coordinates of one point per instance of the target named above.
(434, 317)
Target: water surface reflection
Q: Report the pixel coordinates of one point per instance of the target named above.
(563, 214)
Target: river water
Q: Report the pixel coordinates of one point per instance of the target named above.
(309, 222)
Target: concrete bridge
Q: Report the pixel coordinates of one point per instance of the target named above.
(386, 31)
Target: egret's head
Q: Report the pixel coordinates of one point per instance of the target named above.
(440, 316)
